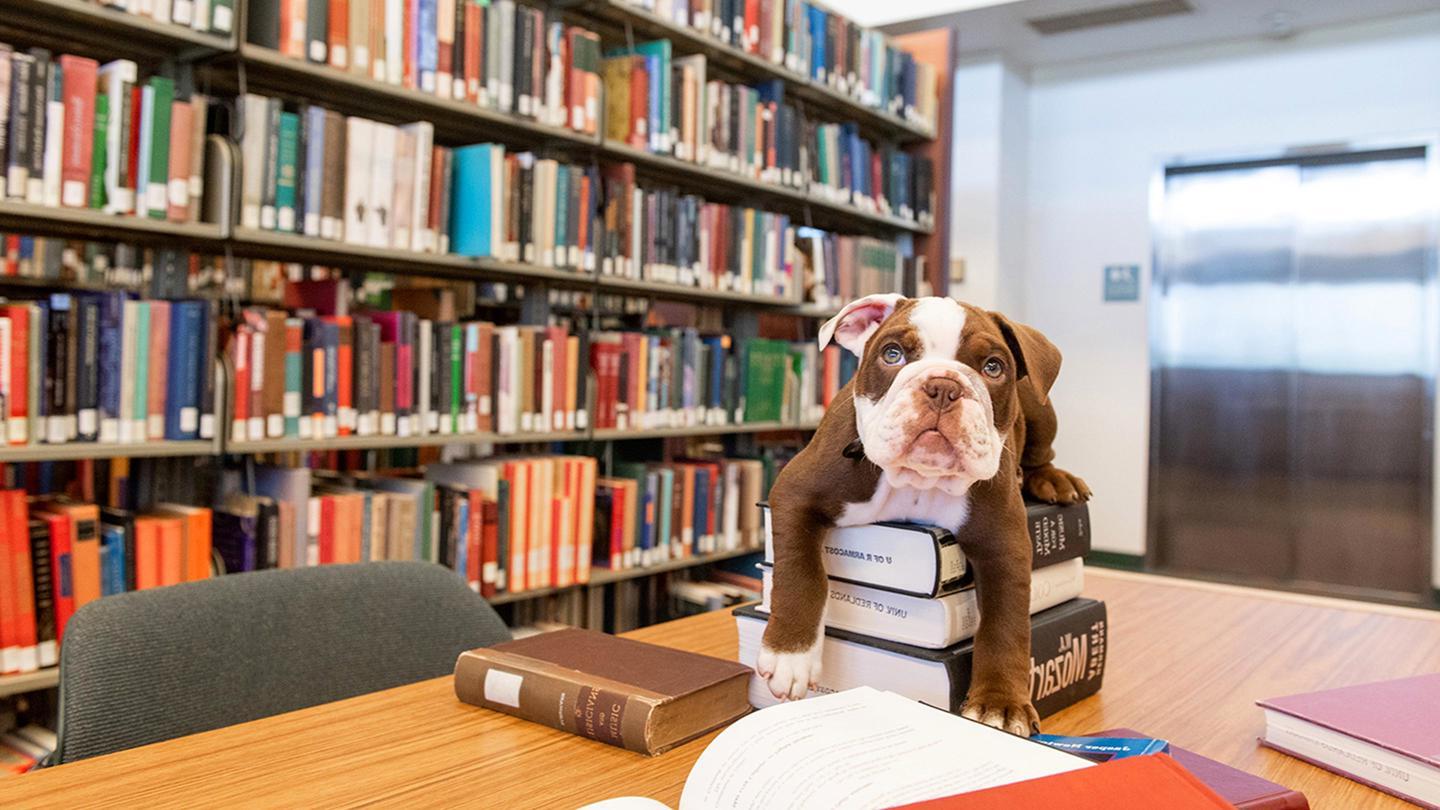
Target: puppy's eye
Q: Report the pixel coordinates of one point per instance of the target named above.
(993, 368)
(892, 354)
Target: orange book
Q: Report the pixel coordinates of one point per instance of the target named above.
(339, 33)
(687, 509)
(562, 547)
(147, 552)
(196, 526)
(344, 385)
(84, 522)
(16, 526)
(1149, 781)
(538, 573)
(9, 604)
(16, 418)
(171, 533)
(585, 518)
(515, 473)
(177, 193)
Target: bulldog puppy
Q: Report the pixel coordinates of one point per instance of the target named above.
(945, 422)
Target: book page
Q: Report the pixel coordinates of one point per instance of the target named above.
(861, 748)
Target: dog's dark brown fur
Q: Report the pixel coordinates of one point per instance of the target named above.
(812, 490)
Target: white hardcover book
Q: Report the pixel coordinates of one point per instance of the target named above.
(54, 148)
(116, 79)
(505, 337)
(252, 157)
(201, 19)
(160, 10)
(358, 135)
(129, 315)
(422, 237)
(394, 62)
(547, 385)
(554, 76)
(507, 54)
(930, 623)
(424, 362)
(256, 426)
(382, 185)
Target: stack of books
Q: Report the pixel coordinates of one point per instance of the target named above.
(812, 41)
(77, 134)
(503, 56)
(206, 16)
(902, 612)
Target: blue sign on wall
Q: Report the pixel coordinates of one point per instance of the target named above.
(1122, 282)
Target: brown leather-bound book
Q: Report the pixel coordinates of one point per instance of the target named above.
(483, 375)
(273, 388)
(529, 385)
(618, 691)
(387, 388)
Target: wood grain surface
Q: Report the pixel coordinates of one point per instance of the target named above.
(1186, 663)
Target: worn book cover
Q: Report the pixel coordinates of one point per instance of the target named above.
(618, 691)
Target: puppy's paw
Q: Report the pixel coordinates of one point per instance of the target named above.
(1053, 485)
(1016, 717)
(789, 675)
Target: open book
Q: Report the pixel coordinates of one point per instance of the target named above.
(861, 748)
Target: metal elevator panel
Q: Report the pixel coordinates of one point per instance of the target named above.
(1292, 372)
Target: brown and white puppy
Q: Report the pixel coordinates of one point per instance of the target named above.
(946, 420)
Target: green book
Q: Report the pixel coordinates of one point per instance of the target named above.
(457, 376)
(286, 171)
(765, 379)
(428, 524)
(293, 374)
(98, 153)
(142, 370)
(157, 186)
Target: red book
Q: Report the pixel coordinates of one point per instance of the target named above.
(1244, 790)
(489, 547)
(60, 567)
(240, 400)
(639, 103)
(619, 513)
(17, 420)
(15, 516)
(132, 150)
(339, 34)
(474, 539)
(327, 529)
(752, 26)
(182, 125)
(159, 356)
(1148, 781)
(410, 73)
(344, 380)
(78, 76)
(559, 344)
(1379, 734)
(9, 604)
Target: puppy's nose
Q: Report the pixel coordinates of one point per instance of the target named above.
(941, 393)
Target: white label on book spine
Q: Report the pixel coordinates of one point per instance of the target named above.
(331, 427)
(365, 425)
(223, 19)
(189, 419)
(72, 194)
(387, 424)
(179, 191)
(207, 426)
(274, 426)
(19, 433)
(503, 688)
(317, 50)
(89, 419)
(256, 427)
(292, 403)
(403, 426)
(305, 428)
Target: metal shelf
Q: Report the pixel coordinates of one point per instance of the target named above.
(603, 576)
(688, 40)
(92, 223)
(107, 29)
(85, 450)
(29, 681)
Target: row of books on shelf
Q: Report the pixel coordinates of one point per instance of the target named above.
(836, 269)
(501, 55)
(902, 609)
(76, 134)
(507, 524)
(814, 42)
(205, 16)
(158, 272)
(103, 366)
(845, 168)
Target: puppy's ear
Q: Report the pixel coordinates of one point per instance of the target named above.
(1035, 356)
(858, 321)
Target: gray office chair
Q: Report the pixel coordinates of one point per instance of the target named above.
(141, 667)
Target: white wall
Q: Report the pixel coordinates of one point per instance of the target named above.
(1097, 133)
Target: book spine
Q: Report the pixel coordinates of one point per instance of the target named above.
(79, 77)
(493, 683)
(45, 589)
(157, 181)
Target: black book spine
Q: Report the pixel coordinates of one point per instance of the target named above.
(527, 194)
(457, 50)
(439, 403)
(363, 374)
(57, 365)
(310, 405)
(582, 401)
(40, 79)
(87, 383)
(22, 68)
(502, 538)
(264, 23)
(331, 331)
(268, 545)
(209, 329)
(317, 30)
(43, 576)
(523, 55)
(1057, 532)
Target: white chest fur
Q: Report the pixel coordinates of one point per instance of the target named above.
(933, 506)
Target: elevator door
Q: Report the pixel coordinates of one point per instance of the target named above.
(1292, 384)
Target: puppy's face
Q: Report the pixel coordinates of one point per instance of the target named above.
(935, 392)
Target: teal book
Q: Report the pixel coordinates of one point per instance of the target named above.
(470, 213)
(157, 186)
(142, 371)
(294, 369)
(663, 509)
(562, 216)
(286, 171)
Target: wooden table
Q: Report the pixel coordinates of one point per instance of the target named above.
(1186, 662)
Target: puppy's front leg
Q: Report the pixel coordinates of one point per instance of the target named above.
(789, 658)
(999, 693)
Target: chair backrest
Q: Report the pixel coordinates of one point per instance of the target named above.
(141, 667)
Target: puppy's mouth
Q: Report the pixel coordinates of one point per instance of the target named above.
(932, 441)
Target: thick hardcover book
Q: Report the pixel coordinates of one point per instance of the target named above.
(46, 591)
(926, 561)
(1153, 781)
(1067, 660)
(932, 623)
(1379, 734)
(1244, 790)
(618, 691)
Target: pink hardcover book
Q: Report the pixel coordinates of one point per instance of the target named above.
(1381, 734)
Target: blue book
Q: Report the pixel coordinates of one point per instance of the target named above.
(182, 372)
(112, 326)
(701, 514)
(648, 537)
(147, 133)
(462, 545)
(1104, 749)
(427, 50)
(330, 332)
(236, 540)
(112, 560)
(470, 224)
(314, 169)
(716, 371)
(817, 42)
